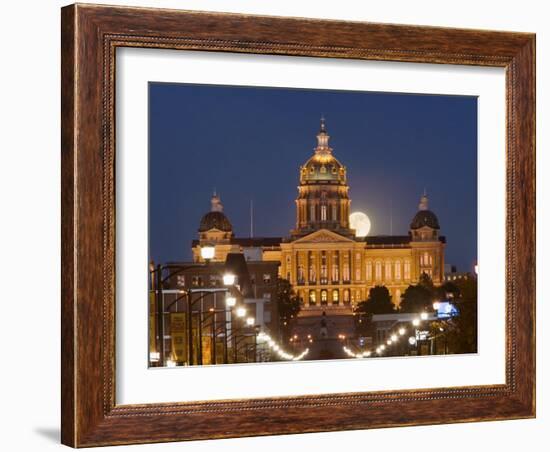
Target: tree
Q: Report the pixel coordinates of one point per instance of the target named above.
(446, 291)
(417, 299)
(288, 303)
(378, 302)
(463, 335)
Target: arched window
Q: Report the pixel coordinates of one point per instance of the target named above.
(335, 296)
(407, 270)
(397, 270)
(312, 298)
(346, 296)
(387, 271)
(378, 270)
(345, 269)
(369, 271)
(324, 296)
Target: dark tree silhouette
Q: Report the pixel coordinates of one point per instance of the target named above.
(379, 302)
(417, 298)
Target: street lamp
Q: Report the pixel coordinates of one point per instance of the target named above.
(250, 321)
(416, 322)
(401, 331)
(230, 301)
(241, 312)
(393, 337)
(412, 340)
(424, 316)
(207, 252)
(436, 305)
(228, 279)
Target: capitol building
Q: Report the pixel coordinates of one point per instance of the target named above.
(328, 265)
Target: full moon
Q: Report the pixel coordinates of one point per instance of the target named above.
(361, 223)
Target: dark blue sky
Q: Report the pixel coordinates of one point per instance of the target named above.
(248, 143)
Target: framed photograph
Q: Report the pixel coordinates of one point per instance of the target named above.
(281, 225)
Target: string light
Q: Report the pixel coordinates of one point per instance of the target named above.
(277, 349)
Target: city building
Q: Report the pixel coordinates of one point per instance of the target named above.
(330, 268)
(256, 282)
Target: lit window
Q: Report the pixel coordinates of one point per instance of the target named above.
(267, 296)
(323, 213)
(387, 271)
(300, 273)
(369, 271)
(345, 269)
(398, 270)
(267, 278)
(180, 280)
(346, 296)
(324, 296)
(378, 271)
(312, 299)
(407, 270)
(335, 296)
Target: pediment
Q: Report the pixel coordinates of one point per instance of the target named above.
(324, 236)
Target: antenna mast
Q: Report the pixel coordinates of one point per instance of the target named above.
(251, 219)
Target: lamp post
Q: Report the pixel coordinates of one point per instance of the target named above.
(207, 253)
(230, 302)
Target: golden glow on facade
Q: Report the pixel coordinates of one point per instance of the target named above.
(328, 266)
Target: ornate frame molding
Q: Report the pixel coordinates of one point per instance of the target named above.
(90, 37)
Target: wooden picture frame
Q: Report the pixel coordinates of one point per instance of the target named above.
(90, 36)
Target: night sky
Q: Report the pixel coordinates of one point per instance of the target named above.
(248, 144)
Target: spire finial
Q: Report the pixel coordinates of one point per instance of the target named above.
(423, 201)
(322, 138)
(215, 203)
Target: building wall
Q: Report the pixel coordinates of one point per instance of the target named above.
(347, 270)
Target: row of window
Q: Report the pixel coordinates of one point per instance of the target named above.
(335, 298)
(335, 273)
(323, 213)
(392, 270)
(348, 296)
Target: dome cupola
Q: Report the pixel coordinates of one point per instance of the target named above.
(323, 167)
(323, 200)
(424, 225)
(215, 220)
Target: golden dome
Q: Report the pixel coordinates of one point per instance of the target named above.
(323, 167)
